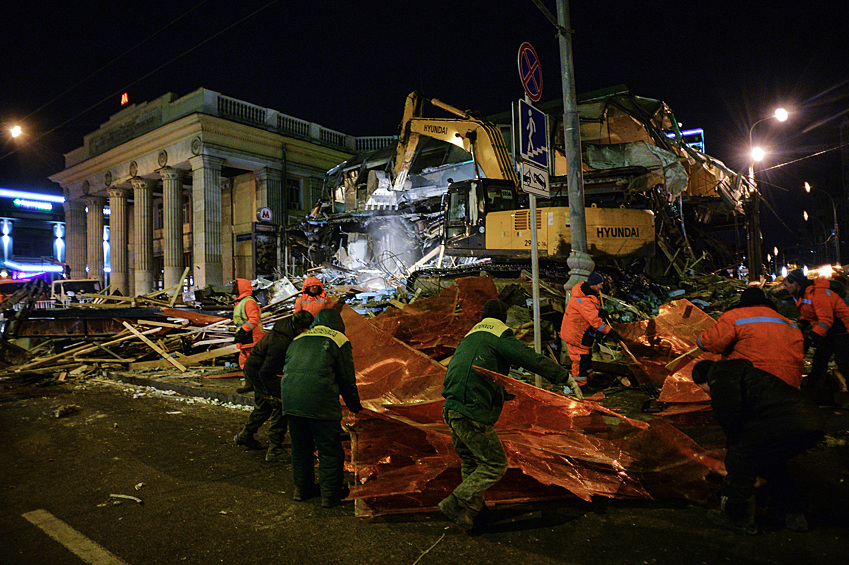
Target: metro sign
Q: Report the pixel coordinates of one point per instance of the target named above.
(264, 214)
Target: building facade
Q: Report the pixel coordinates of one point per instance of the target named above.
(192, 182)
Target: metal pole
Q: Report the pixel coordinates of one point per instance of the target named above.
(836, 232)
(753, 226)
(580, 263)
(535, 282)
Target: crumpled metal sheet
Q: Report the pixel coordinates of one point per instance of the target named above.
(435, 325)
(658, 341)
(403, 458)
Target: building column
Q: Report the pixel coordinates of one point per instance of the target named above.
(206, 220)
(269, 192)
(75, 237)
(94, 239)
(172, 224)
(143, 234)
(118, 239)
(7, 238)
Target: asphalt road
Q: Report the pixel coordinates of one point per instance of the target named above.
(207, 501)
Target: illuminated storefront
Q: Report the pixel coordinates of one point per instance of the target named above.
(32, 234)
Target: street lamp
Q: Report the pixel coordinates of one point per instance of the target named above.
(753, 216)
(836, 230)
(16, 131)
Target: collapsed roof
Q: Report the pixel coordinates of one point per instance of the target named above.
(628, 157)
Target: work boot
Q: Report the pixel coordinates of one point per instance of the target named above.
(721, 519)
(276, 454)
(331, 501)
(796, 522)
(305, 493)
(457, 512)
(744, 524)
(247, 440)
(247, 387)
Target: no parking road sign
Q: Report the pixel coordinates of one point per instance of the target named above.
(530, 71)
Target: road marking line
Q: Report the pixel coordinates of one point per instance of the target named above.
(77, 543)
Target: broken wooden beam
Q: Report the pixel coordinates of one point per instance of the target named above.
(155, 347)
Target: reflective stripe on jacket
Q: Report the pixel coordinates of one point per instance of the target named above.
(312, 304)
(320, 367)
(490, 345)
(821, 307)
(246, 313)
(581, 314)
(770, 341)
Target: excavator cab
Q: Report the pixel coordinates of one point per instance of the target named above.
(467, 204)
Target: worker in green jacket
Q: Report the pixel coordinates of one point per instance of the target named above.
(319, 367)
(473, 405)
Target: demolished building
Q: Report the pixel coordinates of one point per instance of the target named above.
(394, 210)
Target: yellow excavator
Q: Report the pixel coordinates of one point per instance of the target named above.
(485, 216)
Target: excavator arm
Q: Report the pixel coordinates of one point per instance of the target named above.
(479, 137)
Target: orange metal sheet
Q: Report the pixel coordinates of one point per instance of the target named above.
(401, 450)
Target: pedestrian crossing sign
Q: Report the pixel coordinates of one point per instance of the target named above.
(533, 135)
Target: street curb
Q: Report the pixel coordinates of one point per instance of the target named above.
(185, 390)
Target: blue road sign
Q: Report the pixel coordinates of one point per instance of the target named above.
(533, 135)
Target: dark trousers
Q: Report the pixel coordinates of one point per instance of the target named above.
(837, 345)
(752, 457)
(483, 460)
(307, 436)
(267, 408)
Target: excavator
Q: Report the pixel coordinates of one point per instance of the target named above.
(487, 216)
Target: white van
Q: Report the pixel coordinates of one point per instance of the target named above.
(74, 290)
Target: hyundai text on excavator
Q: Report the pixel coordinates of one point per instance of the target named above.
(486, 216)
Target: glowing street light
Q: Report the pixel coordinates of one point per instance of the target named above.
(16, 131)
(753, 213)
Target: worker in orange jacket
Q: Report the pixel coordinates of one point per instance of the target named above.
(246, 318)
(754, 330)
(824, 317)
(582, 322)
(313, 298)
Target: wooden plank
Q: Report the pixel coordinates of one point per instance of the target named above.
(231, 375)
(189, 360)
(161, 324)
(51, 358)
(101, 360)
(215, 341)
(117, 297)
(156, 348)
(177, 288)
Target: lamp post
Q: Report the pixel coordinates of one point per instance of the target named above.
(836, 230)
(753, 214)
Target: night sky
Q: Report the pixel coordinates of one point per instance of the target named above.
(349, 65)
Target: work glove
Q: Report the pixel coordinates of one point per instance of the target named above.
(803, 324)
(604, 314)
(575, 390)
(613, 336)
(243, 337)
(815, 339)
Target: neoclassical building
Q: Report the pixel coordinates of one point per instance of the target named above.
(186, 181)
